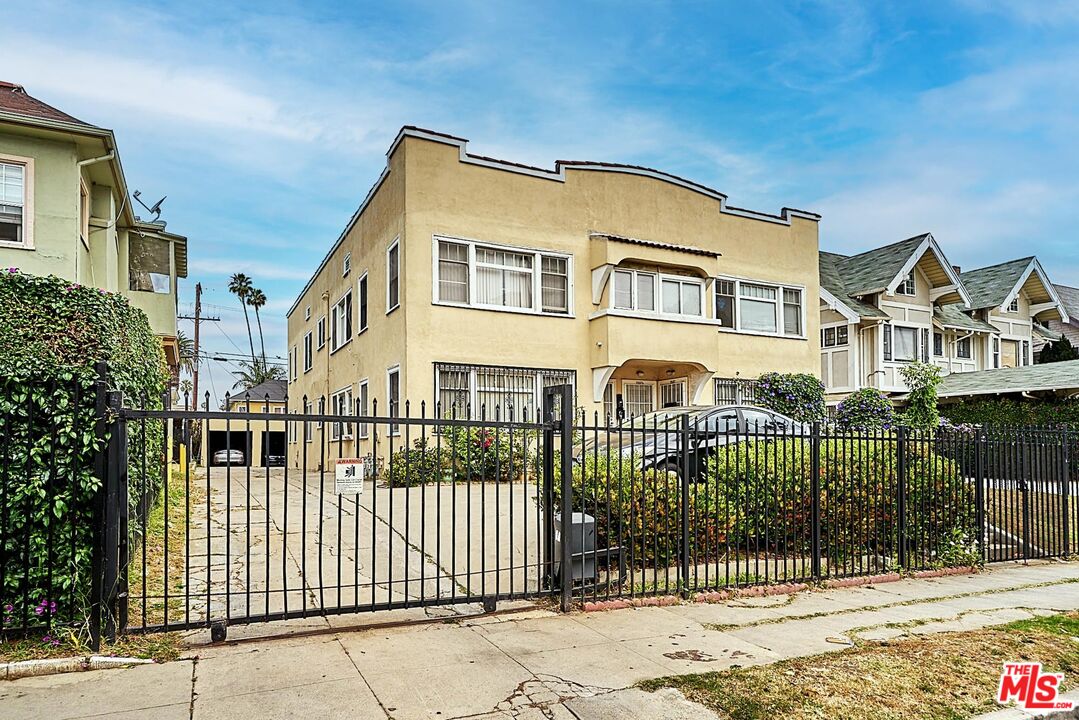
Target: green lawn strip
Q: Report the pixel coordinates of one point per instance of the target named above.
(940, 676)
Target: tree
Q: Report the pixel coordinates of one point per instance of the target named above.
(257, 300)
(1059, 351)
(255, 373)
(240, 286)
(186, 347)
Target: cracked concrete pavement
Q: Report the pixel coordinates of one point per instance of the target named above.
(531, 663)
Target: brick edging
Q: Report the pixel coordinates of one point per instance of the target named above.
(718, 596)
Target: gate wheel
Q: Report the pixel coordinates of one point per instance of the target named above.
(218, 631)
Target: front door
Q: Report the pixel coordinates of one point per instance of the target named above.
(1009, 353)
(672, 393)
(637, 397)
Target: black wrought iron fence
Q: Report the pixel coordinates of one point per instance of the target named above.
(293, 514)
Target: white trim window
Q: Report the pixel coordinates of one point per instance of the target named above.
(638, 398)
(307, 313)
(361, 288)
(321, 327)
(900, 343)
(393, 397)
(346, 265)
(308, 431)
(341, 322)
(292, 374)
(341, 404)
(634, 290)
(393, 276)
(361, 408)
(15, 217)
(491, 391)
(938, 344)
(996, 351)
(760, 308)
(909, 286)
(681, 296)
(963, 348)
(498, 277)
(308, 353)
(1013, 307)
(837, 336)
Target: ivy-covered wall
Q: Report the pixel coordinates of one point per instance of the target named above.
(52, 334)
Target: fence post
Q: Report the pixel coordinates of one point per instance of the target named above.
(684, 509)
(549, 424)
(566, 450)
(814, 497)
(1065, 476)
(981, 447)
(116, 470)
(97, 563)
(901, 493)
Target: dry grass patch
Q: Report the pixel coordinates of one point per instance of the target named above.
(160, 647)
(950, 675)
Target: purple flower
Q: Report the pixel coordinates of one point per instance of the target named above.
(13, 270)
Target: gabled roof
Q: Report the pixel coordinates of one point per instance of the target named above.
(953, 318)
(1050, 377)
(832, 284)
(873, 270)
(274, 390)
(1069, 298)
(997, 285)
(15, 100)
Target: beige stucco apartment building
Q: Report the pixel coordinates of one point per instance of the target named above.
(473, 283)
(65, 211)
(904, 302)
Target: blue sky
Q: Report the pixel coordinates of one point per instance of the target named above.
(266, 123)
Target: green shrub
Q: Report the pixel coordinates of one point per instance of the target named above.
(1059, 351)
(797, 395)
(490, 453)
(422, 463)
(767, 487)
(865, 409)
(922, 380)
(52, 332)
(1004, 411)
(639, 509)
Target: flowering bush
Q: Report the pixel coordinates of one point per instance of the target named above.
(797, 395)
(866, 409)
(424, 462)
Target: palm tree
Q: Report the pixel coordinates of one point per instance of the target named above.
(256, 373)
(240, 286)
(186, 346)
(257, 299)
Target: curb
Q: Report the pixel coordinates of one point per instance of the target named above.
(55, 666)
(719, 596)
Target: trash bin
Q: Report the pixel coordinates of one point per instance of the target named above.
(582, 546)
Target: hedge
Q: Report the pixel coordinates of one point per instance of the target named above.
(1004, 411)
(465, 454)
(52, 333)
(767, 484)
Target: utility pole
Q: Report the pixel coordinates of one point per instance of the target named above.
(198, 318)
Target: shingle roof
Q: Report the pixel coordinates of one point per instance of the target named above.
(873, 270)
(14, 99)
(1031, 378)
(832, 281)
(275, 390)
(989, 286)
(952, 316)
(1069, 298)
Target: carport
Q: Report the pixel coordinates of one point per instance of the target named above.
(229, 439)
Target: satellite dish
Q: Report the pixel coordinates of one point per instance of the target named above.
(154, 210)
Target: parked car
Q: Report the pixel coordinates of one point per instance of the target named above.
(656, 437)
(228, 457)
(275, 460)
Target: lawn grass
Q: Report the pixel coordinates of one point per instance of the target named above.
(180, 501)
(932, 677)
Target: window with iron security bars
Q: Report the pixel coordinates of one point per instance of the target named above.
(733, 391)
(473, 392)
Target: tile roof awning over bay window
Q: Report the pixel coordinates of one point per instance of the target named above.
(608, 251)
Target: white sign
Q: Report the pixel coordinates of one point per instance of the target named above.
(348, 476)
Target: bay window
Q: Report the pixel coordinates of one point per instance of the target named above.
(497, 277)
(681, 296)
(901, 342)
(635, 290)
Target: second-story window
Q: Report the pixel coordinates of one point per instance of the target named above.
(908, 286)
(308, 353)
(321, 332)
(393, 276)
(341, 327)
(346, 264)
(496, 277)
(362, 285)
(681, 297)
(725, 305)
(634, 290)
(1014, 306)
(12, 203)
(792, 311)
(758, 307)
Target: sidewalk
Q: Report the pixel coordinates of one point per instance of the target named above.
(532, 664)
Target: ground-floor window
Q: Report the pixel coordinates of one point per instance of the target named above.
(393, 396)
(341, 404)
(734, 391)
(489, 391)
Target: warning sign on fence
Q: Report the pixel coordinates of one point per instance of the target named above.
(348, 476)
